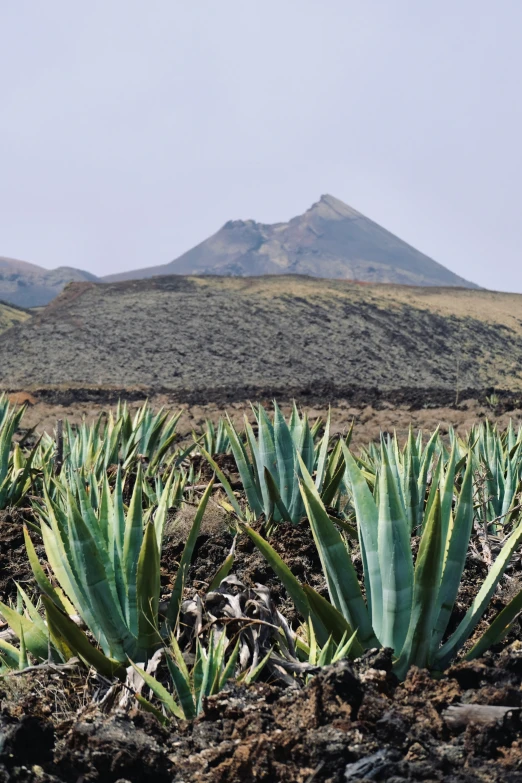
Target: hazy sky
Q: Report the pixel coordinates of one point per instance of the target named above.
(131, 130)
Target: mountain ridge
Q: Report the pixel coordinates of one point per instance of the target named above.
(329, 240)
(29, 285)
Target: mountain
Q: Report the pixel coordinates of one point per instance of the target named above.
(29, 285)
(230, 338)
(330, 240)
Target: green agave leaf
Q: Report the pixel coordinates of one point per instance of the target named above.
(435, 485)
(332, 464)
(336, 625)
(226, 486)
(209, 672)
(426, 584)
(160, 516)
(228, 671)
(447, 494)
(395, 560)
(105, 510)
(98, 585)
(148, 707)
(181, 680)
(498, 628)
(285, 451)
(267, 457)
(410, 485)
(132, 542)
(199, 674)
(224, 570)
(60, 626)
(275, 497)
(116, 540)
(31, 609)
(159, 691)
(456, 549)
(23, 661)
(307, 450)
(341, 578)
(330, 490)
(186, 558)
(252, 675)
(323, 454)
(148, 591)
(256, 461)
(479, 604)
(367, 516)
(346, 649)
(35, 640)
(57, 555)
(39, 574)
(426, 461)
(219, 664)
(9, 655)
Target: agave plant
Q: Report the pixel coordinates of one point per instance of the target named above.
(15, 467)
(412, 467)
(118, 439)
(498, 460)
(270, 465)
(215, 439)
(260, 626)
(214, 666)
(408, 604)
(35, 642)
(147, 435)
(106, 561)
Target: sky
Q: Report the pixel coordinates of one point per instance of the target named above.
(130, 131)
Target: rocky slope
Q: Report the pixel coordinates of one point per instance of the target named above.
(330, 240)
(207, 338)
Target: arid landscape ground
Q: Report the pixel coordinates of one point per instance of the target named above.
(207, 339)
(369, 421)
(260, 448)
(383, 357)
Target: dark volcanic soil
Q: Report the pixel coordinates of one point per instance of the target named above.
(14, 564)
(211, 339)
(352, 722)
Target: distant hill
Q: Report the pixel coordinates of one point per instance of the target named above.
(11, 315)
(29, 285)
(225, 338)
(331, 240)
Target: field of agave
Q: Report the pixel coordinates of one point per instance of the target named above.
(98, 498)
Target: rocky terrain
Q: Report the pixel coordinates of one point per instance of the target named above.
(207, 339)
(329, 240)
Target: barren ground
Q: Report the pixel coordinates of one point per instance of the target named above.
(369, 420)
(225, 339)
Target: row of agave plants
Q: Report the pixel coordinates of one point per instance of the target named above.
(98, 502)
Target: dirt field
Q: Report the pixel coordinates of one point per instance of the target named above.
(369, 420)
